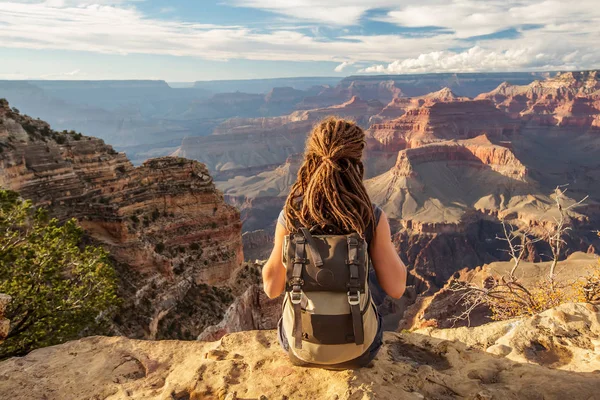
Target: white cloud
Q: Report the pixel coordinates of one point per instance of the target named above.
(566, 35)
(343, 66)
(334, 12)
(125, 30)
(477, 59)
(469, 18)
(61, 75)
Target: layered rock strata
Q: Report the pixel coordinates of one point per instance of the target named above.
(568, 99)
(167, 227)
(443, 120)
(242, 143)
(399, 105)
(253, 310)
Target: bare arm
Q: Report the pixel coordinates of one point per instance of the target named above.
(273, 272)
(390, 270)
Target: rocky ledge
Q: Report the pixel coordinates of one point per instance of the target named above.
(250, 365)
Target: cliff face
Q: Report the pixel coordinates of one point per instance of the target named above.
(380, 90)
(569, 99)
(258, 149)
(442, 120)
(251, 365)
(251, 311)
(164, 223)
(258, 143)
(399, 105)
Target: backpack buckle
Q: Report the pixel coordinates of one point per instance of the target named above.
(354, 298)
(352, 241)
(296, 297)
(296, 283)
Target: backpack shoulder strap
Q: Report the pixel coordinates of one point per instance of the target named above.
(312, 247)
(354, 291)
(296, 293)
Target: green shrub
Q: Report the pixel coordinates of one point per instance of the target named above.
(58, 287)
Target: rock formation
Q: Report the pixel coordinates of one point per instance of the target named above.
(443, 120)
(568, 99)
(253, 310)
(399, 105)
(387, 87)
(442, 308)
(252, 365)
(167, 227)
(446, 169)
(382, 90)
(240, 144)
(566, 337)
(257, 244)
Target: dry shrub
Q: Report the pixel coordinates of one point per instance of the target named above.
(508, 298)
(512, 299)
(588, 287)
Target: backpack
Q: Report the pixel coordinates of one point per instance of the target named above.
(328, 315)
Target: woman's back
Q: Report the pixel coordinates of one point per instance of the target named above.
(323, 240)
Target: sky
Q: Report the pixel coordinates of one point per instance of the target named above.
(190, 40)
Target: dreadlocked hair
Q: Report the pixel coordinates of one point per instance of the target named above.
(329, 193)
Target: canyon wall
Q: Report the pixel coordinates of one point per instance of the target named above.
(168, 229)
(568, 99)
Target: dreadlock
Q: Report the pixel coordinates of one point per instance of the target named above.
(329, 191)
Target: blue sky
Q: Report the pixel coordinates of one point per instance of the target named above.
(188, 40)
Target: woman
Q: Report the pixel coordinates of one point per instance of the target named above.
(329, 195)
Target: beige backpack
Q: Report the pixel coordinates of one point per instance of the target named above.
(328, 315)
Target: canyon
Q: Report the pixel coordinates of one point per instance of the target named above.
(448, 157)
(149, 118)
(174, 241)
(446, 168)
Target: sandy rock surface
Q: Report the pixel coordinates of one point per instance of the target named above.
(566, 337)
(250, 365)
